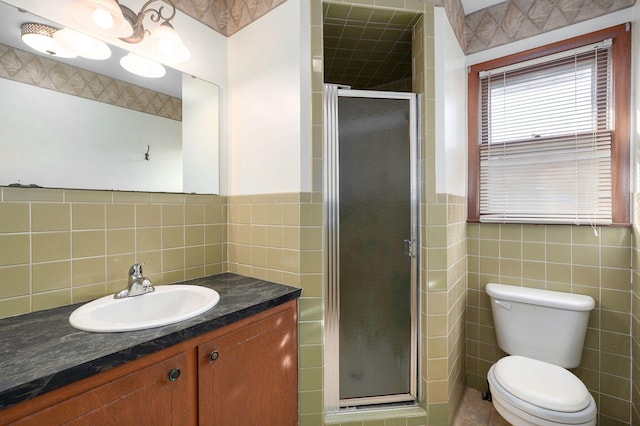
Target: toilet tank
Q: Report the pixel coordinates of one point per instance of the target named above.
(545, 325)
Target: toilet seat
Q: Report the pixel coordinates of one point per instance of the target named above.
(542, 384)
(539, 393)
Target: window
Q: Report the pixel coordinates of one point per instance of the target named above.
(544, 143)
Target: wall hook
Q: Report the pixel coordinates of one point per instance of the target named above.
(146, 155)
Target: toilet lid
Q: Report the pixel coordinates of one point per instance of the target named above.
(542, 384)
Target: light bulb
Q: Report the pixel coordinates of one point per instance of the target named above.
(102, 19)
(82, 44)
(142, 66)
(166, 48)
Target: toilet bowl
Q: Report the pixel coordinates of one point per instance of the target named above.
(543, 332)
(527, 392)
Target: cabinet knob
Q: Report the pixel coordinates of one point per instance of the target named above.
(174, 374)
(213, 356)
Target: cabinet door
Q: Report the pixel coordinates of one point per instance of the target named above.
(154, 395)
(250, 376)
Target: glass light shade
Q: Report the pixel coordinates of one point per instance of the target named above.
(165, 44)
(103, 17)
(142, 66)
(40, 37)
(84, 45)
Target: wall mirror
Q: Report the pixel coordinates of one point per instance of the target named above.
(89, 124)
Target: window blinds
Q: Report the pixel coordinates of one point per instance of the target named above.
(545, 149)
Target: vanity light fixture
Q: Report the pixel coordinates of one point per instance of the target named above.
(142, 66)
(40, 37)
(109, 18)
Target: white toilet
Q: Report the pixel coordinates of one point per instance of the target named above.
(543, 333)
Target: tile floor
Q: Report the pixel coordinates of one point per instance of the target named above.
(474, 411)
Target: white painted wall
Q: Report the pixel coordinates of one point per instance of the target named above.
(266, 92)
(264, 76)
(306, 69)
(105, 150)
(451, 109)
(634, 16)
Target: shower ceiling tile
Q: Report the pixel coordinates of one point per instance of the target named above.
(393, 35)
(360, 14)
(364, 47)
(332, 30)
(353, 33)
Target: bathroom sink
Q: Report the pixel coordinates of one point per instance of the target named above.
(168, 304)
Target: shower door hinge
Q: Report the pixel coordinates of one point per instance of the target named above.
(409, 247)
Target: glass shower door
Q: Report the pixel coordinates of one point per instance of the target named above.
(376, 240)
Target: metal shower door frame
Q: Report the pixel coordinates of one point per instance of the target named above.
(332, 238)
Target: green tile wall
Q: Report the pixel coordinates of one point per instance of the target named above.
(445, 277)
(278, 237)
(635, 309)
(59, 247)
(563, 258)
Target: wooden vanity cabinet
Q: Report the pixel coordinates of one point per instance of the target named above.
(250, 376)
(245, 373)
(145, 396)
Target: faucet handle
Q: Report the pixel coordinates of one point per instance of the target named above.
(136, 269)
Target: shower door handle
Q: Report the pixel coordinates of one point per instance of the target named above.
(409, 247)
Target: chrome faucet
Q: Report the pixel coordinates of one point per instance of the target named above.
(138, 284)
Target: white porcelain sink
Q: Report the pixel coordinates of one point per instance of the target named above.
(168, 304)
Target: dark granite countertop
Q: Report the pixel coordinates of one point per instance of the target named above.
(40, 351)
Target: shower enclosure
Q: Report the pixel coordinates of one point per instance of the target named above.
(371, 201)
